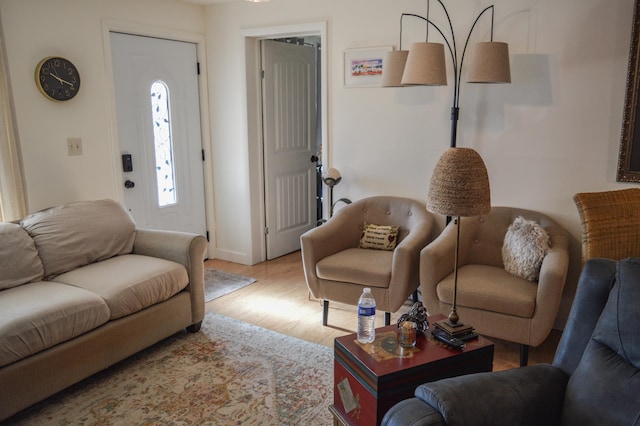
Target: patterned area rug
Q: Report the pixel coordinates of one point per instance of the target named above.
(217, 283)
(230, 373)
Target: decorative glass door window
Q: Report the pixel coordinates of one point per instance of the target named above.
(163, 144)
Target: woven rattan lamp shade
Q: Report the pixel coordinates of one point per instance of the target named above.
(459, 184)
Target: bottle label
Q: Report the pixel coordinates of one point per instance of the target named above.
(366, 311)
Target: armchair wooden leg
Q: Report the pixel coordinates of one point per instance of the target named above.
(387, 318)
(524, 355)
(325, 311)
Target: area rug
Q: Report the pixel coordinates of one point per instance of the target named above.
(217, 283)
(229, 373)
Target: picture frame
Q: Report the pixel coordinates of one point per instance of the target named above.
(363, 66)
(629, 153)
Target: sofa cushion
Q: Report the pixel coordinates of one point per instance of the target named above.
(20, 262)
(39, 315)
(131, 282)
(490, 288)
(80, 233)
(370, 268)
(379, 237)
(525, 246)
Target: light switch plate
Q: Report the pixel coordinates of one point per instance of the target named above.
(74, 146)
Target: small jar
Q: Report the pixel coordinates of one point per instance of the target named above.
(408, 334)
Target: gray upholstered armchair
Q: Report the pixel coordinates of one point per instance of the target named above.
(495, 302)
(594, 378)
(336, 269)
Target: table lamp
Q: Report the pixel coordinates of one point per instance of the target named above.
(460, 188)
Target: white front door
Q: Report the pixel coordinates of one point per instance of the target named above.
(158, 111)
(290, 140)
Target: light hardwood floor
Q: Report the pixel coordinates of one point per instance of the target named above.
(280, 301)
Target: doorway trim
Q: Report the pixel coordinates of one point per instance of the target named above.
(108, 26)
(252, 38)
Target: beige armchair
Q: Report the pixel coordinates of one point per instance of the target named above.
(336, 269)
(489, 298)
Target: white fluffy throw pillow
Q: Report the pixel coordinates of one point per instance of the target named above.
(525, 246)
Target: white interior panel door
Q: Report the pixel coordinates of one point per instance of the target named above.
(158, 110)
(289, 114)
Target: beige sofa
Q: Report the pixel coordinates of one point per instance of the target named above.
(81, 289)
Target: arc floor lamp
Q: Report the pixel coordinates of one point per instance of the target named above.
(459, 184)
(424, 63)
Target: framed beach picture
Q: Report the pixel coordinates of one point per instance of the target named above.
(363, 67)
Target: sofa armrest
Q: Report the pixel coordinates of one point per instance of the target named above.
(594, 286)
(412, 412)
(339, 233)
(181, 247)
(419, 236)
(436, 262)
(406, 262)
(553, 275)
(531, 395)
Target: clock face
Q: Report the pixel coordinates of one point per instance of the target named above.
(57, 78)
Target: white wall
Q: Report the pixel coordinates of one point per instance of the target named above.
(34, 29)
(551, 133)
(555, 131)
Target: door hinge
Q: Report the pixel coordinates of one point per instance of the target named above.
(203, 155)
(266, 230)
(207, 236)
(198, 67)
(262, 74)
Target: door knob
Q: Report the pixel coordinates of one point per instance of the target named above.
(129, 184)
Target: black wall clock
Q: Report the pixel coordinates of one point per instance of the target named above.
(57, 78)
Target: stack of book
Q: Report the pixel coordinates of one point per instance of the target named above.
(459, 331)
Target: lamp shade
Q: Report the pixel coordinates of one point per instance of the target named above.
(333, 177)
(393, 67)
(333, 174)
(490, 63)
(425, 65)
(459, 184)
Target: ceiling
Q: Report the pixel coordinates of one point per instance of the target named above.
(208, 1)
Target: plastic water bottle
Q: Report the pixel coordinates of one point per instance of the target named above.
(366, 317)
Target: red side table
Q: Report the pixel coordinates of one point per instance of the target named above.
(370, 378)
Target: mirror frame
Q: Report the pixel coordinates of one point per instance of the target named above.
(629, 154)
